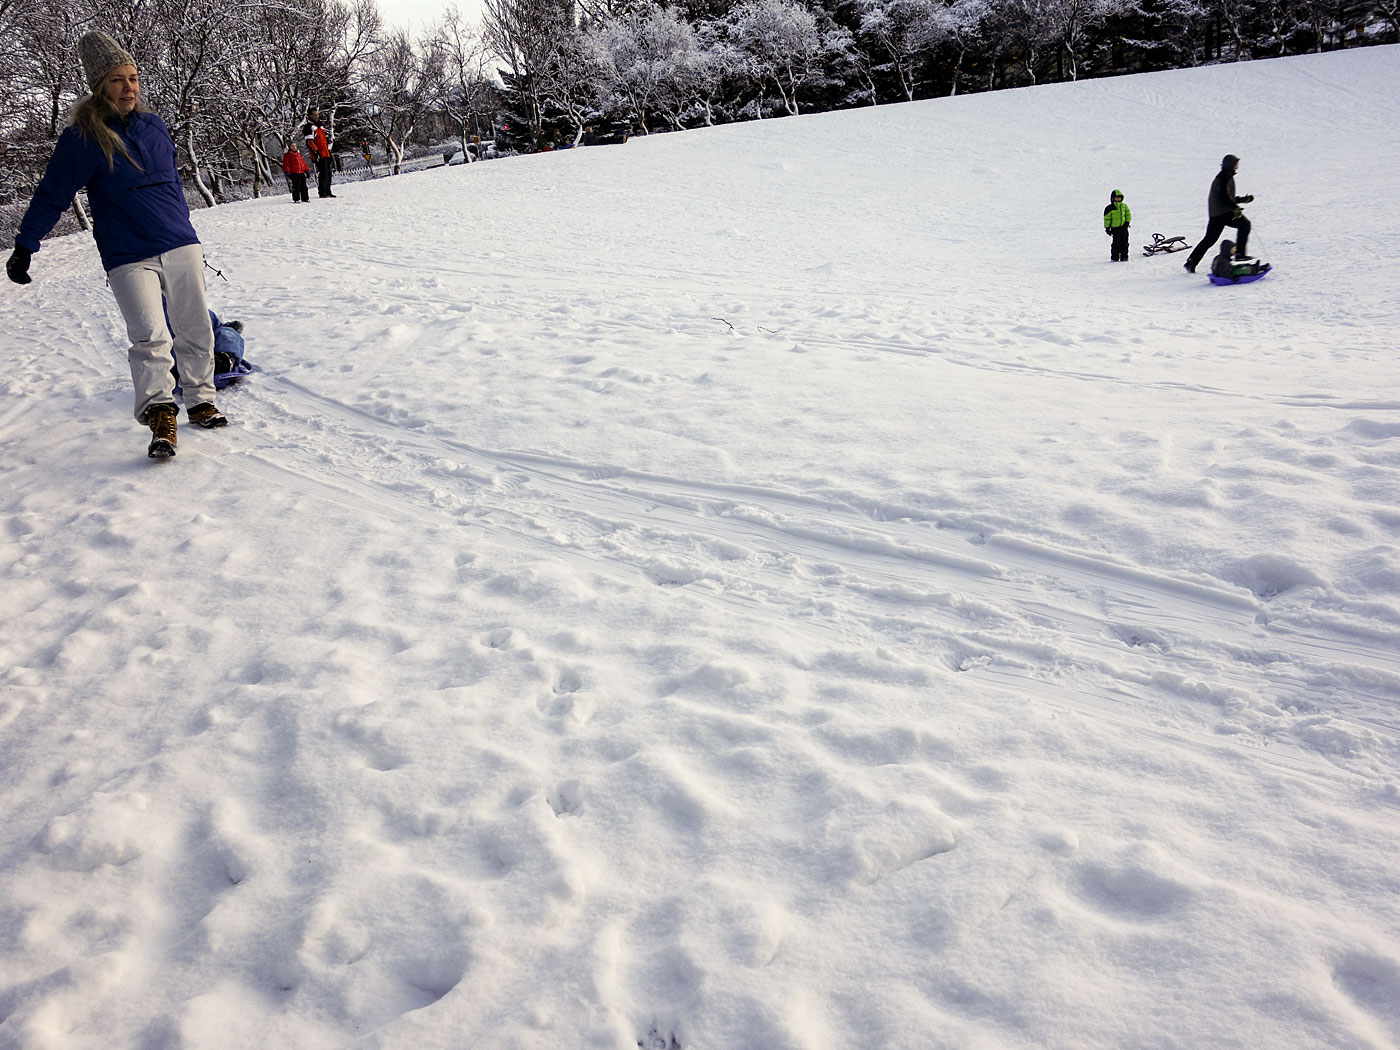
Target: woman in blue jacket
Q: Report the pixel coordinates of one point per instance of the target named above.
(125, 157)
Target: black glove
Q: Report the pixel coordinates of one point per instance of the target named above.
(1108, 231)
(18, 266)
(1247, 200)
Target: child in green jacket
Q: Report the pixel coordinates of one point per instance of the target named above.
(1116, 218)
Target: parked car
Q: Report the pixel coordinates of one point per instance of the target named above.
(485, 151)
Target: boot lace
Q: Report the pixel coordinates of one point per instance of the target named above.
(162, 424)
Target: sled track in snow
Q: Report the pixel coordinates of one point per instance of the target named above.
(1075, 629)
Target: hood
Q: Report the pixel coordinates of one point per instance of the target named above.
(1228, 162)
(1115, 193)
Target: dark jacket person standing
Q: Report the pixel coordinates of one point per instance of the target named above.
(1225, 211)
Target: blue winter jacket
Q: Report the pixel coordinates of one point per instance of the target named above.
(137, 212)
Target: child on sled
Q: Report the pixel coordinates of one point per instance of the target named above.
(1226, 265)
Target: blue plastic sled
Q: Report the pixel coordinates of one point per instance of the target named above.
(241, 369)
(228, 350)
(223, 379)
(1243, 279)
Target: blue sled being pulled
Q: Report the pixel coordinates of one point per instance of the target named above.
(229, 363)
(1260, 270)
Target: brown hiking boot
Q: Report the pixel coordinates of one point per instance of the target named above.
(207, 416)
(161, 420)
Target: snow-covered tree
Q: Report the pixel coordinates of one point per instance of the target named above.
(572, 80)
(783, 45)
(962, 23)
(718, 63)
(469, 96)
(1073, 22)
(903, 31)
(649, 58)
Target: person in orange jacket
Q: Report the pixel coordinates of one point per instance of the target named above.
(320, 149)
(294, 167)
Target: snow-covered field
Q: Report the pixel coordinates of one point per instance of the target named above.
(777, 586)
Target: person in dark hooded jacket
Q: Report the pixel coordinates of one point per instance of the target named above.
(123, 155)
(1225, 211)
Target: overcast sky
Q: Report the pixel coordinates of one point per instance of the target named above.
(419, 13)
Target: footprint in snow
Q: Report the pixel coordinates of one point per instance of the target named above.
(1372, 981)
(1139, 886)
(565, 799)
(1270, 575)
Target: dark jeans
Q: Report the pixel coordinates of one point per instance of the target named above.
(323, 177)
(1119, 251)
(1213, 232)
(297, 180)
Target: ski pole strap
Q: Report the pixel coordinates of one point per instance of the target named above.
(216, 270)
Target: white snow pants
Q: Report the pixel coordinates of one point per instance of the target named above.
(138, 287)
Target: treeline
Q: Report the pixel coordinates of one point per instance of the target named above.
(235, 78)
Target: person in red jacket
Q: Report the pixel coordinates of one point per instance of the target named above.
(294, 167)
(320, 149)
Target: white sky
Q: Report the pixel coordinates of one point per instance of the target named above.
(417, 14)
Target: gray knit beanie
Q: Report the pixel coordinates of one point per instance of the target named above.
(100, 55)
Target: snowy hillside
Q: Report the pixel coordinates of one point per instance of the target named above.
(775, 586)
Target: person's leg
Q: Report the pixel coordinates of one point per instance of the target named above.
(1242, 240)
(1120, 243)
(183, 271)
(1214, 229)
(136, 287)
(323, 173)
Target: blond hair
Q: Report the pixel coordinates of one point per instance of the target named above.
(91, 115)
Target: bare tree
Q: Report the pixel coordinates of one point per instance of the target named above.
(1390, 11)
(468, 94)
(525, 35)
(961, 29)
(403, 81)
